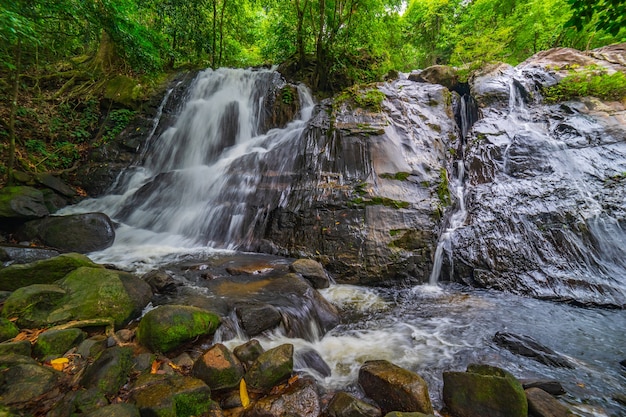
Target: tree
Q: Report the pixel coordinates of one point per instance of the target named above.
(606, 15)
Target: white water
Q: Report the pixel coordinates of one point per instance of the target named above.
(206, 181)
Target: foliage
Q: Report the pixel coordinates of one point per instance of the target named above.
(118, 120)
(370, 98)
(604, 15)
(591, 81)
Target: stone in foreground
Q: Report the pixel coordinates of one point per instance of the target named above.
(271, 368)
(219, 368)
(346, 405)
(542, 404)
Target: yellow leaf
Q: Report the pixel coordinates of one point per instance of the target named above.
(59, 364)
(243, 393)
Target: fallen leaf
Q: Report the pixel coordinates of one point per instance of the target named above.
(59, 364)
(155, 367)
(243, 393)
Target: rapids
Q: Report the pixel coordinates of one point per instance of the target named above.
(212, 183)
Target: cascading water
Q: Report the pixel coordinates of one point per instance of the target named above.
(211, 178)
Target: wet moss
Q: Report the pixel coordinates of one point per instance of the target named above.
(443, 190)
(379, 201)
(400, 176)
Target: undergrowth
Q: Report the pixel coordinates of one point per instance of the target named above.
(591, 81)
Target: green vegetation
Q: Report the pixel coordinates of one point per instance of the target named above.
(400, 176)
(443, 192)
(365, 97)
(379, 201)
(591, 81)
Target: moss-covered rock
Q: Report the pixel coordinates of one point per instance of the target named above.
(271, 368)
(110, 370)
(345, 405)
(33, 304)
(484, 391)
(8, 329)
(167, 327)
(57, 342)
(124, 90)
(249, 352)
(23, 380)
(22, 348)
(115, 410)
(298, 399)
(171, 396)
(219, 368)
(45, 271)
(394, 388)
(22, 203)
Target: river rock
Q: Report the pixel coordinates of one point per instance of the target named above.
(551, 387)
(490, 85)
(57, 342)
(271, 368)
(85, 293)
(529, 347)
(300, 399)
(312, 271)
(256, 318)
(159, 281)
(167, 327)
(542, 404)
(437, 74)
(483, 390)
(110, 370)
(309, 358)
(219, 368)
(45, 271)
(22, 203)
(345, 405)
(82, 233)
(171, 396)
(22, 348)
(55, 184)
(394, 388)
(92, 347)
(8, 329)
(24, 255)
(249, 352)
(23, 379)
(115, 410)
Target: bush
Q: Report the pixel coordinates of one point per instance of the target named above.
(591, 81)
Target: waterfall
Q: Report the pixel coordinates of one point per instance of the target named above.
(210, 179)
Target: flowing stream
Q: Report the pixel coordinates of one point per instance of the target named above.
(203, 186)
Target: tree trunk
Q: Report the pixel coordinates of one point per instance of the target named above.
(299, 35)
(16, 87)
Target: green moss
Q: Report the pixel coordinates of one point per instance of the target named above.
(365, 97)
(379, 201)
(443, 191)
(400, 176)
(591, 81)
(192, 404)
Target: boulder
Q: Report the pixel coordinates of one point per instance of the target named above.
(55, 184)
(551, 387)
(23, 347)
(22, 203)
(115, 410)
(45, 271)
(82, 233)
(529, 347)
(249, 352)
(57, 342)
(437, 74)
(310, 359)
(394, 388)
(85, 293)
(92, 347)
(110, 370)
(271, 368)
(219, 368)
(23, 380)
(345, 405)
(491, 85)
(159, 281)
(8, 329)
(312, 271)
(483, 391)
(171, 396)
(542, 404)
(255, 318)
(167, 327)
(300, 399)
(24, 255)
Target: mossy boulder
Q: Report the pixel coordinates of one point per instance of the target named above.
(57, 342)
(271, 368)
(346, 405)
(299, 399)
(116, 410)
(45, 271)
(82, 233)
(8, 329)
(219, 368)
(171, 396)
(124, 90)
(437, 74)
(167, 327)
(22, 202)
(23, 380)
(249, 352)
(484, 391)
(394, 388)
(110, 370)
(85, 293)
(22, 347)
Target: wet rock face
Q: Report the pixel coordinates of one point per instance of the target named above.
(365, 202)
(545, 189)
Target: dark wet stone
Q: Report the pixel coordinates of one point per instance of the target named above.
(23, 380)
(110, 371)
(312, 271)
(256, 318)
(219, 368)
(551, 387)
(394, 388)
(310, 359)
(401, 414)
(56, 184)
(249, 352)
(271, 368)
(345, 405)
(22, 348)
(542, 404)
(299, 399)
(24, 255)
(159, 281)
(92, 347)
(483, 390)
(22, 203)
(529, 347)
(623, 363)
(115, 410)
(57, 342)
(8, 329)
(80, 233)
(437, 74)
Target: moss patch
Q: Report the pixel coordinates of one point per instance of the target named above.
(443, 190)
(379, 201)
(590, 81)
(400, 176)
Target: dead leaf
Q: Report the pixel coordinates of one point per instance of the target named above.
(155, 367)
(59, 364)
(243, 393)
